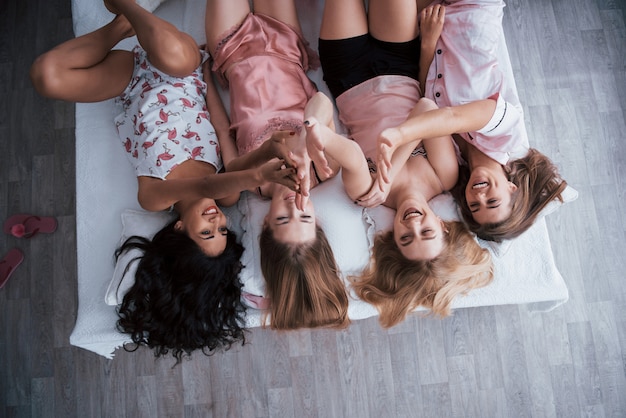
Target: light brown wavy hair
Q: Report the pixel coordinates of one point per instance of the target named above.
(538, 183)
(396, 285)
(303, 283)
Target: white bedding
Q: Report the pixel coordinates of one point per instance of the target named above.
(106, 189)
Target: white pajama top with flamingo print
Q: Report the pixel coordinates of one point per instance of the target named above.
(164, 120)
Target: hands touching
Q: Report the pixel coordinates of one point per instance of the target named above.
(277, 171)
(388, 142)
(290, 149)
(376, 196)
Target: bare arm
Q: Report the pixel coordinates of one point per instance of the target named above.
(433, 124)
(469, 117)
(221, 124)
(320, 108)
(219, 117)
(155, 194)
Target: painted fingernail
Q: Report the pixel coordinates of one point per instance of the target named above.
(292, 133)
(307, 123)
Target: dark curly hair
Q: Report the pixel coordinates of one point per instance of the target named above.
(182, 299)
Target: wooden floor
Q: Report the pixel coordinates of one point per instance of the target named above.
(569, 58)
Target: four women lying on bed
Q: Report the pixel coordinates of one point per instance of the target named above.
(186, 293)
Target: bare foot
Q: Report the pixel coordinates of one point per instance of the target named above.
(431, 24)
(315, 144)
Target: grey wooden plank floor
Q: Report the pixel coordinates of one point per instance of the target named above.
(569, 58)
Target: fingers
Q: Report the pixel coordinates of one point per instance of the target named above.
(315, 146)
(384, 165)
(371, 199)
(301, 201)
(280, 148)
(436, 11)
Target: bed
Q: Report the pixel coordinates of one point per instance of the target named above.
(107, 211)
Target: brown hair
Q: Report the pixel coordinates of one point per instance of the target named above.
(303, 283)
(538, 183)
(396, 285)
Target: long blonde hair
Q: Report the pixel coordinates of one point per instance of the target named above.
(303, 283)
(396, 285)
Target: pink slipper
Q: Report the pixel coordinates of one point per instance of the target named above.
(27, 226)
(8, 265)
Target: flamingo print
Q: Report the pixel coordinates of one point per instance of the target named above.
(164, 156)
(197, 152)
(148, 144)
(128, 145)
(141, 128)
(145, 87)
(179, 85)
(190, 134)
(171, 134)
(164, 116)
(187, 104)
(161, 99)
(201, 115)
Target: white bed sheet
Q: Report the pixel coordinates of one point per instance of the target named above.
(106, 186)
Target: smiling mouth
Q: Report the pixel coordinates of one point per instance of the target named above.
(211, 210)
(480, 185)
(411, 213)
(290, 196)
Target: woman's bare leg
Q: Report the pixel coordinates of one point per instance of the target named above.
(393, 20)
(84, 69)
(170, 50)
(283, 10)
(343, 19)
(221, 16)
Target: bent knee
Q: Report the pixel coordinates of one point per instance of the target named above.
(45, 75)
(177, 59)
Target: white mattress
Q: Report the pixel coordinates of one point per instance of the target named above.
(106, 187)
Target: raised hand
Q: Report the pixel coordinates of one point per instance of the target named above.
(388, 141)
(302, 163)
(315, 146)
(277, 147)
(376, 196)
(431, 24)
(276, 171)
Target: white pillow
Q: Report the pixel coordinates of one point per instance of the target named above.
(147, 224)
(342, 221)
(499, 249)
(444, 205)
(380, 218)
(134, 222)
(150, 5)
